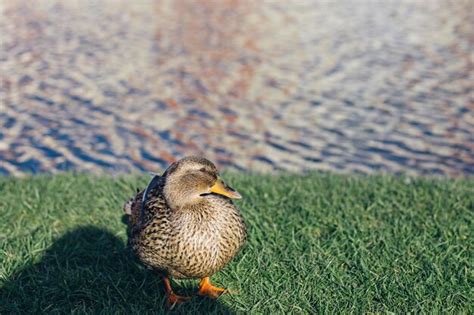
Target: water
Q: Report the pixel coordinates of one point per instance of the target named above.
(349, 86)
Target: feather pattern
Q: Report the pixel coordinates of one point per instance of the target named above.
(191, 241)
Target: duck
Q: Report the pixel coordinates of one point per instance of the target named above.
(185, 225)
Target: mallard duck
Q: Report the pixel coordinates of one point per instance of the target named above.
(185, 225)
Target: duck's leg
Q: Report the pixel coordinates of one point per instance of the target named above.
(207, 289)
(172, 298)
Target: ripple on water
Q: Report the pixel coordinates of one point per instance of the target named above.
(123, 86)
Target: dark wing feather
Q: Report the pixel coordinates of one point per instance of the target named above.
(140, 208)
(152, 185)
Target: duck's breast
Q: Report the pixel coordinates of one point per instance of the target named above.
(206, 241)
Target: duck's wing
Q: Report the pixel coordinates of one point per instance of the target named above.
(153, 185)
(140, 208)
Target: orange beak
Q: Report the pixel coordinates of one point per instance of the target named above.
(222, 189)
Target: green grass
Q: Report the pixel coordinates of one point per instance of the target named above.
(318, 243)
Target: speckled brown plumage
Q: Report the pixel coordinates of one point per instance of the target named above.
(184, 228)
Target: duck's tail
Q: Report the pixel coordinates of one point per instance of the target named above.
(127, 207)
(132, 208)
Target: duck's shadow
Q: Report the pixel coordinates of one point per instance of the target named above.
(90, 270)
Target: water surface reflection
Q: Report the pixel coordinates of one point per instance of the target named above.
(348, 86)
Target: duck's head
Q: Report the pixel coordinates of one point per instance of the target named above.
(191, 179)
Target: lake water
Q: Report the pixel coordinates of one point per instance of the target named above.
(347, 86)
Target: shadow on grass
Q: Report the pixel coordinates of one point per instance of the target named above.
(90, 270)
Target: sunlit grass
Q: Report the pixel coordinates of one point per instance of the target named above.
(318, 243)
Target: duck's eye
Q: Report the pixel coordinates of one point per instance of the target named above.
(202, 169)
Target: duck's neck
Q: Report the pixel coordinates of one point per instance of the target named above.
(200, 205)
(180, 198)
(196, 213)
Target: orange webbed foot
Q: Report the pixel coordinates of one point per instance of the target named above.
(207, 289)
(172, 299)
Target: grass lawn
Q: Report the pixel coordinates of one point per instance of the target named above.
(318, 243)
